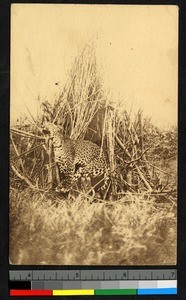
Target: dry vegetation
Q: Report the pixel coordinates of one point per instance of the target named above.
(136, 225)
(132, 230)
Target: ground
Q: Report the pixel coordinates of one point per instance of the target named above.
(135, 230)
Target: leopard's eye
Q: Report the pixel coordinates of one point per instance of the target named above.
(45, 131)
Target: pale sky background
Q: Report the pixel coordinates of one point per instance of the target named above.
(137, 50)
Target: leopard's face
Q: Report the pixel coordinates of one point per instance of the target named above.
(51, 129)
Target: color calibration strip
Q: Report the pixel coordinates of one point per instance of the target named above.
(92, 282)
(109, 292)
(153, 287)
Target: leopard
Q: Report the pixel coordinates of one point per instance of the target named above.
(78, 160)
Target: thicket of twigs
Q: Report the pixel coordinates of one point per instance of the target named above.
(137, 150)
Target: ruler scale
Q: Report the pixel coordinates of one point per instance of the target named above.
(92, 282)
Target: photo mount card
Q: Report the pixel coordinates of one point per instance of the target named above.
(93, 134)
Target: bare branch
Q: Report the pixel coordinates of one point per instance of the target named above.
(17, 152)
(136, 159)
(28, 151)
(122, 145)
(26, 134)
(143, 178)
(23, 177)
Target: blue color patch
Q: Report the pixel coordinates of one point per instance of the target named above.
(169, 291)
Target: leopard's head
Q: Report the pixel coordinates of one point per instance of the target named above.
(51, 129)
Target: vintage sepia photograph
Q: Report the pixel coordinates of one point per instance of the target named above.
(93, 135)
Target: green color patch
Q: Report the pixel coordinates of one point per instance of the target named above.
(116, 292)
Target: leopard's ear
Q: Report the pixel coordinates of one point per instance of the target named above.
(45, 121)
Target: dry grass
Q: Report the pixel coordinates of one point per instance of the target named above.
(49, 230)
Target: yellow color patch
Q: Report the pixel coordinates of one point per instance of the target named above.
(72, 292)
